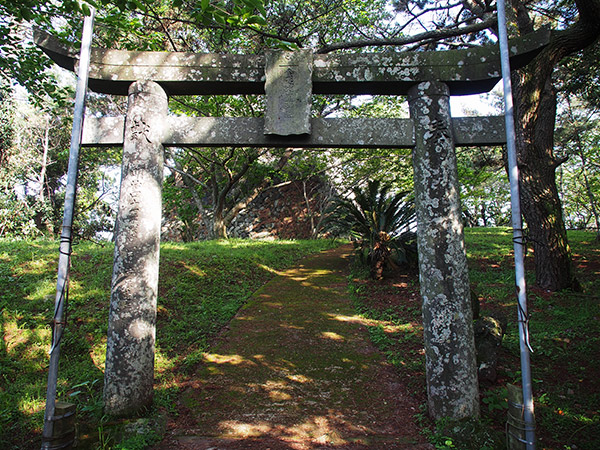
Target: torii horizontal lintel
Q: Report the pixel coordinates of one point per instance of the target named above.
(466, 71)
(326, 133)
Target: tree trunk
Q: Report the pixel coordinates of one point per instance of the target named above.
(219, 229)
(484, 215)
(46, 147)
(540, 202)
(223, 217)
(190, 184)
(309, 211)
(42, 221)
(535, 113)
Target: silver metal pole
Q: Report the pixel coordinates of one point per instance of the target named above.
(517, 223)
(58, 322)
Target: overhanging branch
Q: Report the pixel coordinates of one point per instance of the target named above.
(429, 35)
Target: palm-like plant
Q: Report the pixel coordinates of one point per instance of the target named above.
(380, 220)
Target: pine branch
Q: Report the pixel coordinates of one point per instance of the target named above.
(434, 35)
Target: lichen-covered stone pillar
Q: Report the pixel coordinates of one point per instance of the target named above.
(452, 386)
(129, 374)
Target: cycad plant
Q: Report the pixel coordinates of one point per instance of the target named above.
(380, 221)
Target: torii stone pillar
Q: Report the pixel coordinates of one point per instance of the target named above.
(129, 374)
(451, 373)
(444, 281)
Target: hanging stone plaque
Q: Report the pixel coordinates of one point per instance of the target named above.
(288, 88)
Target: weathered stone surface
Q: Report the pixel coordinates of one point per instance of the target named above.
(103, 131)
(326, 133)
(288, 88)
(129, 373)
(249, 132)
(472, 131)
(465, 71)
(489, 332)
(447, 315)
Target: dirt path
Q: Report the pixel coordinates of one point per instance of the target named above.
(295, 370)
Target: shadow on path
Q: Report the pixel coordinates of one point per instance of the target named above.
(295, 370)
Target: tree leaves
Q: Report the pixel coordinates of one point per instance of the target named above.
(373, 209)
(236, 14)
(256, 20)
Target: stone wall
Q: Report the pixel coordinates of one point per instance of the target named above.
(277, 213)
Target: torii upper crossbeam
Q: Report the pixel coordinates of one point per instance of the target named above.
(427, 78)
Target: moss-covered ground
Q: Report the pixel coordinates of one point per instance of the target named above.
(295, 370)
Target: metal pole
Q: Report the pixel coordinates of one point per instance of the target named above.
(58, 322)
(517, 223)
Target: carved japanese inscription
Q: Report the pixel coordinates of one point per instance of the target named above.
(288, 87)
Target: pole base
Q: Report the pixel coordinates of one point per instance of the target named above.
(63, 428)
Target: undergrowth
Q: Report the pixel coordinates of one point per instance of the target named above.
(202, 285)
(565, 336)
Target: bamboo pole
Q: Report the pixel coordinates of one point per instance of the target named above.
(60, 305)
(517, 224)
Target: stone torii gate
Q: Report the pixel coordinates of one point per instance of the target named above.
(289, 79)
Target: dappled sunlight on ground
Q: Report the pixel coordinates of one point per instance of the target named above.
(295, 370)
(235, 429)
(318, 429)
(332, 335)
(98, 357)
(387, 326)
(21, 340)
(355, 319)
(299, 378)
(269, 269)
(194, 270)
(226, 359)
(241, 243)
(291, 327)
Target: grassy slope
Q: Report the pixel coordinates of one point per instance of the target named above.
(565, 336)
(202, 286)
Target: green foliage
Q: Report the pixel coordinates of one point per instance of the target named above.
(139, 436)
(580, 75)
(468, 434)
(202, 285)
(496, 399)
(371, 211)
(485, 193)
(216, 184)
(579, 176)
(33, 166)
(379, 220)
(564, 332)
(21, 62)
(250, 26)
